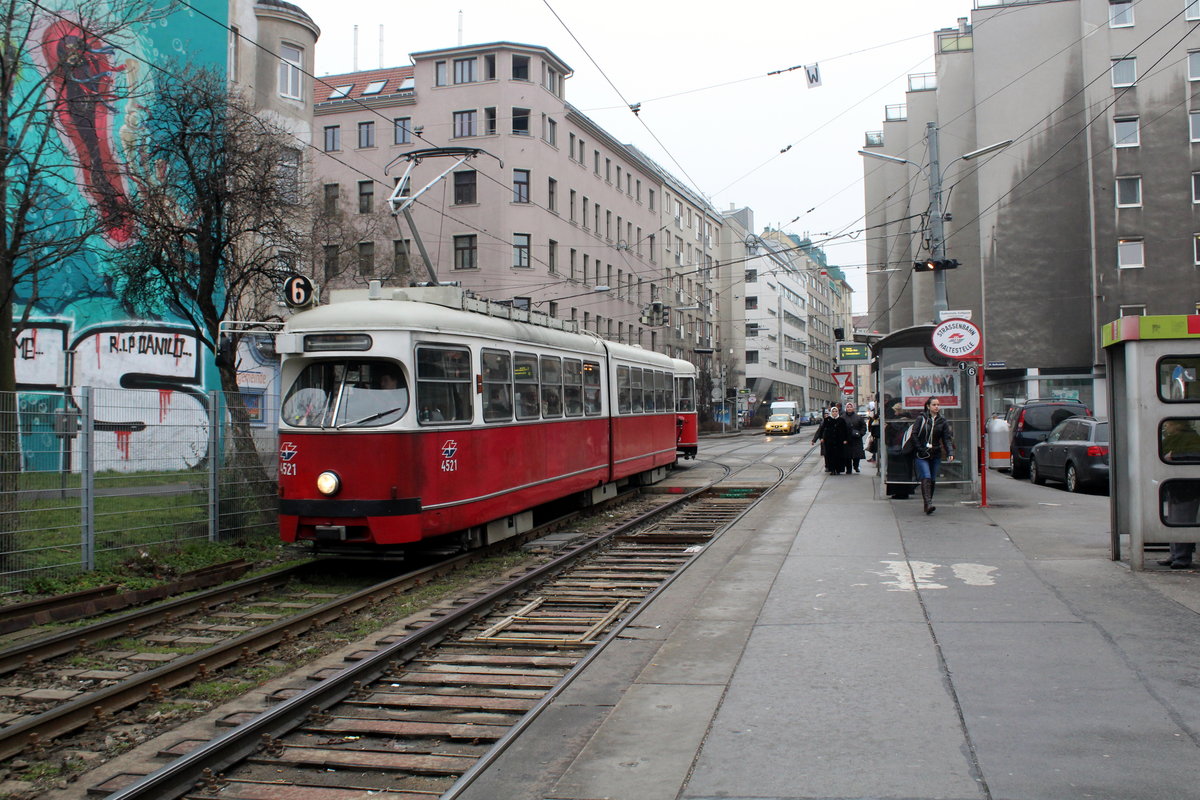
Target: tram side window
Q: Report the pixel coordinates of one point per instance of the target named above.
(443, 384)
(685, 394)
(635, 389)
(551, 387)
(660, 391)
(1179, 440)
(669, 388)
(591, 388)
(573, 387)
(497, 386)
(1179, 503)
(1178, 380)
(525, 382)
(624, 401)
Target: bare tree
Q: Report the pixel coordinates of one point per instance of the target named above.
(219, 215)
(63, 199)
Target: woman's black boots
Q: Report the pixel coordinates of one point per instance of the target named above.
(927, 495)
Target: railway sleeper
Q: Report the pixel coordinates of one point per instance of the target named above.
(390, 761)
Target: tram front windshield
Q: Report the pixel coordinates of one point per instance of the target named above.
(346, 394)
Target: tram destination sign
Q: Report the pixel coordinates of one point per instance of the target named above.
(957, 338)
(853, 351)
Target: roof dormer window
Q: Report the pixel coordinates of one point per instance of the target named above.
(340, 91)
(374, 87)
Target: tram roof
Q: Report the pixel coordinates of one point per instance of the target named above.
(431, 312)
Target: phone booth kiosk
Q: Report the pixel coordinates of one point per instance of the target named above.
(908, 370)
(1154, 424)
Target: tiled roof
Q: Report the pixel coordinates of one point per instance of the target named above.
(357, 81)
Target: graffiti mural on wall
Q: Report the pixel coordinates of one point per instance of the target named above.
(79, 334)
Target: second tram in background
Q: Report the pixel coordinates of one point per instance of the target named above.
(411, 414)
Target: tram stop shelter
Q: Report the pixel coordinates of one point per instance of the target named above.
(1154, 423)
(907, 370)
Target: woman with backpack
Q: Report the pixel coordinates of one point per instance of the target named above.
(931, 436)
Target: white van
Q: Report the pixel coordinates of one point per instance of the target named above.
(787, 407)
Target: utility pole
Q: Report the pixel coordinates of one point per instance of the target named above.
(937, 233)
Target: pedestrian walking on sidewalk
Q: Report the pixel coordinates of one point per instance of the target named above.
(835, 437)
(856, 427)
(933, 435)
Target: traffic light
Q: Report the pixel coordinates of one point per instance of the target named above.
(665, 318)
(934, 265)
(839, 333)
(656, 314)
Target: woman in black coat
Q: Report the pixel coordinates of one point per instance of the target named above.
(836, 437)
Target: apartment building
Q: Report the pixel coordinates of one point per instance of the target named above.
(540, 207)
(1090, 214)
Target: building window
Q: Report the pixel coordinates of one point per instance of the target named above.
(439, 73)
(489, 121)
(571, 141)
(1124, 71)
(366, 258)
(332, 190)
(521, 250)
(751, 303)
(1196, 249)
(1120, 13)
(465, 252)
(551, 80)
(464, 123)
(1125, 132)
(1129, 192)
(1133, 310)
(366, 134)
(751, 276)
(1196, 187)
(520, 68)
(366, 197)
(520, 121)
(1192, 11)
(291, 66)
(1194, 125)
(571, 206)
(552, 257)
(520, 186)
(650, 244)
(331, 261)
(333, 138)
(464, 70)
(1130, 253)
(552, 194)
(751, 356)
(651, 191)
(403, 130)
(585, 212)
(552, 132)
(400, 249)
(489, 67)
(464, 188)
(596, 161)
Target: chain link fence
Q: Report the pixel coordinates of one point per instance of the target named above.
(93, 478)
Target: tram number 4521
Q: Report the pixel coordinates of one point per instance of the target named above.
(450, 465)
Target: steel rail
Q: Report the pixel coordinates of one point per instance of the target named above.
(180, 776)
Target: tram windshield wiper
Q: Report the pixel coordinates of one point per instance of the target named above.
(370, 417)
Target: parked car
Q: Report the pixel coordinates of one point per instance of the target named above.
(780, 423)
(1075, 452)
(1031, 422)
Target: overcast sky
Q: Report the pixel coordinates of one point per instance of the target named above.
(710, 113)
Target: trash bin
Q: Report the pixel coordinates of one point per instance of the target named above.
(998, 455)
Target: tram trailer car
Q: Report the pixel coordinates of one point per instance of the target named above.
(416, 413)
(687, 443)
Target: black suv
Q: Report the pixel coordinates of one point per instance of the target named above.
(1031, 422)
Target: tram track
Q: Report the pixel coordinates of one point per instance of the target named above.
(427, 710)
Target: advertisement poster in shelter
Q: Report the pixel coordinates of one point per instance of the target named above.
(918, 384)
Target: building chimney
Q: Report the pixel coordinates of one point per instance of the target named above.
(962, 24)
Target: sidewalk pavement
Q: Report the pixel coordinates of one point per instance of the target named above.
(839, 645)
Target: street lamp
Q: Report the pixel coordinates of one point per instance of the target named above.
(934, 173)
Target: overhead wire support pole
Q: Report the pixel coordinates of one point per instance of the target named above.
(401, 200)
(937, 231)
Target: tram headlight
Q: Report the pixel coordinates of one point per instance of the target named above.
(328, 483)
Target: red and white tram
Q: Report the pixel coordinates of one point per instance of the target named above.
(687, 441)
(415, 413)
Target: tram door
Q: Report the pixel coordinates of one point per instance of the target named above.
(1154, 402)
